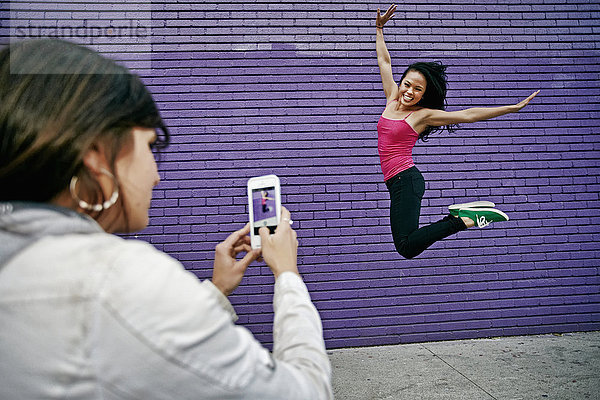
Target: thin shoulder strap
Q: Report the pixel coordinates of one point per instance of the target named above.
(408, 115)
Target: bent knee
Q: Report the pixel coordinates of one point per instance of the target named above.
(408, 255)
(405, 251)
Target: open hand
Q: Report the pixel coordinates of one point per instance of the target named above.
(523, 103)
(227, 270)
(389, 14)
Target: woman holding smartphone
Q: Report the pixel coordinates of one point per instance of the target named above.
(86, 314)
(415, 109)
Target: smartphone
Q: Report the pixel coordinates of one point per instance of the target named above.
(264, 205)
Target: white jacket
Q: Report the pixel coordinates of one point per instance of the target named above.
(88, 315)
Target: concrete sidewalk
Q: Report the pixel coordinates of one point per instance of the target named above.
(561, 367)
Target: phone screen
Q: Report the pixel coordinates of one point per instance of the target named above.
(264, 208)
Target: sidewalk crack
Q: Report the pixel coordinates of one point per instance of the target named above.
(460, 373)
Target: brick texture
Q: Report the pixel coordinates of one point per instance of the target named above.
(292, 88)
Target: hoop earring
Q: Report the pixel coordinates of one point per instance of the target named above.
(95, 207)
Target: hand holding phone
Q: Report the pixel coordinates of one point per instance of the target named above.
(264, 206)
(228, 271)
(280, 251)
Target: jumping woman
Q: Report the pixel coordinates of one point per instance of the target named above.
(414, 109)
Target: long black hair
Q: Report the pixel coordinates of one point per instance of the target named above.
(56, 100)
(435, 92)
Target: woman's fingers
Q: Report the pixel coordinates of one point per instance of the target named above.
(236, 236)
(390, 11)
(241, 248)
(252, 255)
(533, 95)
(285, 219)
(523, 103)
(280, 250)
(389, 14)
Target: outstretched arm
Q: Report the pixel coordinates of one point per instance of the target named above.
(390, 88)
(441, 118)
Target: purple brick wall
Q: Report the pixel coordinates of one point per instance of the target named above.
(292, 88)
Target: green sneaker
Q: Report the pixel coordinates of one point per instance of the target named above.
(455, 208)
(483, 216)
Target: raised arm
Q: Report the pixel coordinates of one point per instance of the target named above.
(390, 88)
(430, 117)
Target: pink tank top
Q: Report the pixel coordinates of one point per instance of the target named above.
(395, 142)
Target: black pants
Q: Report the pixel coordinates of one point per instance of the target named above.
(406, 191)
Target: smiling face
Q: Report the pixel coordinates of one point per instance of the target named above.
(412, 88)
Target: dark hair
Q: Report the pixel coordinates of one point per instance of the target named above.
(57, 99)
(435, 92)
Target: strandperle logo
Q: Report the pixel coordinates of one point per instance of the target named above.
(85, 30)
(119, 29)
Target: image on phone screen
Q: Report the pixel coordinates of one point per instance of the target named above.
(264, 209)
